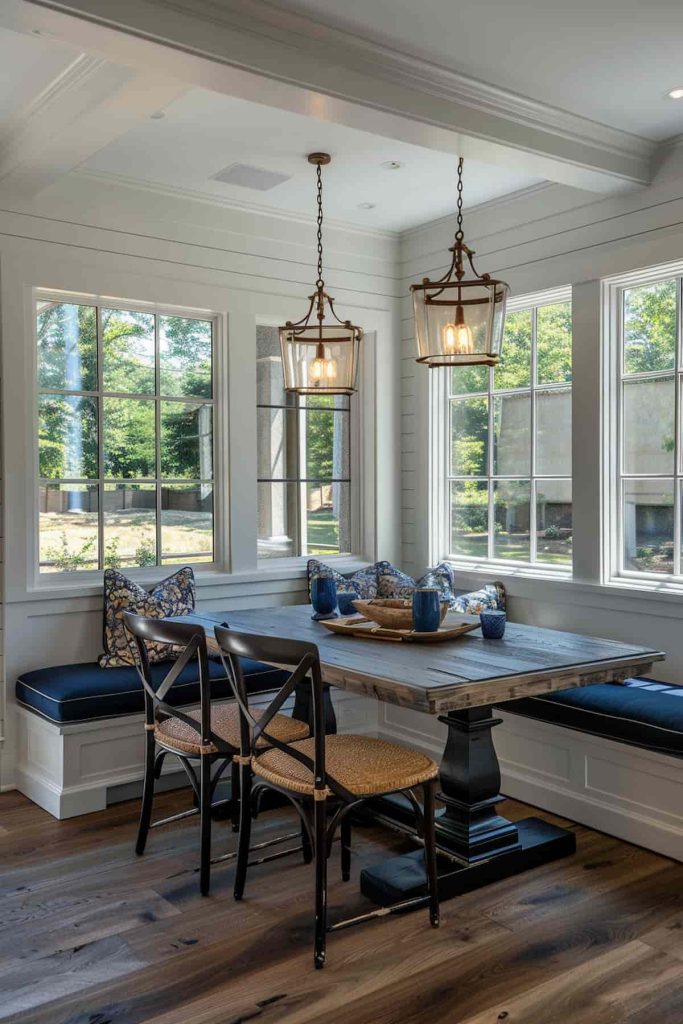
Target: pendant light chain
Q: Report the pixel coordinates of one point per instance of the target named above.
(319, 174)
(460, 234)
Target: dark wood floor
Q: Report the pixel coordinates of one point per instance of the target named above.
(90, 934)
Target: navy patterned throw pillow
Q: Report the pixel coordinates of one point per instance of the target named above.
(363, 582)
(392, 583)
(173, 596)
(491, 596)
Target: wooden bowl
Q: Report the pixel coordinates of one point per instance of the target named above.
(390, 613)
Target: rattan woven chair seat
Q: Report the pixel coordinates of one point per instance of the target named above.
(363, 765)
(225, 722)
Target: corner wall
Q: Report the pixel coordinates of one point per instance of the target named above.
(107, 239)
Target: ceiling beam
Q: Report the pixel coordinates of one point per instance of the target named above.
(88, 105)
(249, 49)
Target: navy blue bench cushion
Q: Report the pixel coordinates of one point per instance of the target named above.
(641, 712)
(76, 693)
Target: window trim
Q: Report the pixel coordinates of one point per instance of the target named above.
(439, 402)
(64, 579)
(612, 571)
(355, 478)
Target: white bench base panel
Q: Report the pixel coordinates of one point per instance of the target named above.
(76, 768)
(633, 794)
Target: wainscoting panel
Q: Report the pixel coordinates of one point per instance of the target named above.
(632, 794)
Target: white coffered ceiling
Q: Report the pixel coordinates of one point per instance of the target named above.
(204, 132)
(527, 90)
(612, 61)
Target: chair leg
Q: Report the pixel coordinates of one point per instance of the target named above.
(235, 797)
(147, 794)
(430, 854)
(345, 835)
(320, 821)
(205, 824)
(245, 831)
(306, 847)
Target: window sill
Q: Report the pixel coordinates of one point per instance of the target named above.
(643, 598)
(91, 587)
(495, 569)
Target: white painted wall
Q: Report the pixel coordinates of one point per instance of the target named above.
(122, 242)
(545, 238)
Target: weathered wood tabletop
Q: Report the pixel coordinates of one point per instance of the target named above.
(463, 673)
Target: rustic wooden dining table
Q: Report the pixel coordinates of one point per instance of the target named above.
(459, 681)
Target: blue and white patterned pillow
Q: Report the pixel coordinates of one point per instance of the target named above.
(363, 582)
(173, 596)
(491, 596)
(392, 583)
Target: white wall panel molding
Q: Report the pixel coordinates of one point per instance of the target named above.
(76, 768)
(364, 84)
(636, 795)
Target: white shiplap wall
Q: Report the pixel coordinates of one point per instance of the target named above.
(110, 239)
(548, 237)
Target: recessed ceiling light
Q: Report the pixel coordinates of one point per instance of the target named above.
(366, 206)
(676, 94)
(392, 165)
(158, 115)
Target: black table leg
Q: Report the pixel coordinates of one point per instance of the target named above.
(478, 845)
(303, 707)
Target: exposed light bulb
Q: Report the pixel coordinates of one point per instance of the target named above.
(676, 94)
(457, 337)
(323, 369)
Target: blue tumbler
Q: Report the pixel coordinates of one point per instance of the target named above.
(426, 610)
(345, 599)
(323, 598)
(492, 624)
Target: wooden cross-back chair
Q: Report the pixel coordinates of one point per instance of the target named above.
(324, 776)
(206, 741)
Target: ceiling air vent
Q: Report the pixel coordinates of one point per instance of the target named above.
(250, 177)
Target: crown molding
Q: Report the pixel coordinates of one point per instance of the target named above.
(244, 206)
(64, 90)
(268, 19)
(436, 105)
(510, 198)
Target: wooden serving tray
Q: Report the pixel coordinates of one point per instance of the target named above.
(356, 625)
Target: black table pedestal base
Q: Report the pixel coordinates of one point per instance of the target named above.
(400, 878)
(477, 845)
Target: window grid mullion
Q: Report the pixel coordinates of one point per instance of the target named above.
(677, 435)
(490, 466)
(100, 436)
(532, 454)
(157, 433)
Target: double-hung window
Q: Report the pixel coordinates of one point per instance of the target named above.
(125, 435)
(303, 464)
(646, 451)
(508, 493)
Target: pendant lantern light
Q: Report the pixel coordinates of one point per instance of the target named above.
(459, 320)
(320, 358)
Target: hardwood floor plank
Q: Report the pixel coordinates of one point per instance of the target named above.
(96, 935)
(606, 990)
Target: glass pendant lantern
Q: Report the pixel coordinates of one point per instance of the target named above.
(459, 320)
(319, 357)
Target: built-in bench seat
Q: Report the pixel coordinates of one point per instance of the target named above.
(640, 712)
(86, 692)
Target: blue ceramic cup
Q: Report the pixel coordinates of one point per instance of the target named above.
(323, 597)
(426, 610)
(492, 624)
(345, 602)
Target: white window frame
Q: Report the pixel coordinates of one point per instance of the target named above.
(613, 571)
(60, 579)
(440, 461)
(355, 414)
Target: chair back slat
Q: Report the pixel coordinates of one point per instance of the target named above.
(191, 638)
(303, 660)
